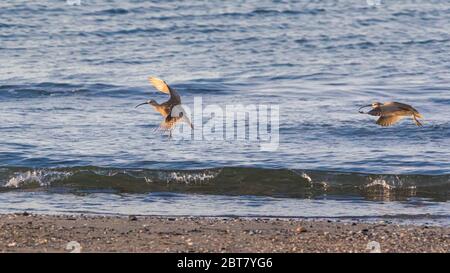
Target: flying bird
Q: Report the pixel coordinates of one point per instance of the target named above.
(392, 112)
(171, 110)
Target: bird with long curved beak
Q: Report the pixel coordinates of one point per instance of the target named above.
(171, 110)
(392, 112)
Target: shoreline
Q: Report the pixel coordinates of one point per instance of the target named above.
(25, 232)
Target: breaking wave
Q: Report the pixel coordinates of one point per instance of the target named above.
(228, 181)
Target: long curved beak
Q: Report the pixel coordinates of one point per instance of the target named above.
(359, 110)
(140, 104)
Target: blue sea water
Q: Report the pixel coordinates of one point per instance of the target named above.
(72, 141)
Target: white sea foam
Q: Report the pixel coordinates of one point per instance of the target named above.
(380, 183)
(322, 184)
(105, 172)
(186, 177)
(42, 177)
(389, 184)
(304, 175)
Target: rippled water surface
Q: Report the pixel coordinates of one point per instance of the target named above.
(71, 76)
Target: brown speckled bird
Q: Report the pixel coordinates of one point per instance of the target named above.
(391, 112)
(171, 110)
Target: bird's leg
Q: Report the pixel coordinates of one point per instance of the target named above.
(170, 134)
(417, 122)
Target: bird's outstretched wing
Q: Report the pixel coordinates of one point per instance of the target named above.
(388, 120)
(162, 86)
(159, 84)
(404, 107)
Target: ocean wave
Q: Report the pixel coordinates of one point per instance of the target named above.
(42, 178)
(186, 178)
(55, 89)
(113, 11)
(227, 181)
(52, 89)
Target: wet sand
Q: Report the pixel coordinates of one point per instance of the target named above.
(43, 233)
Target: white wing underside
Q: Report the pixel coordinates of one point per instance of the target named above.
(159, 84)
(162, 86)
